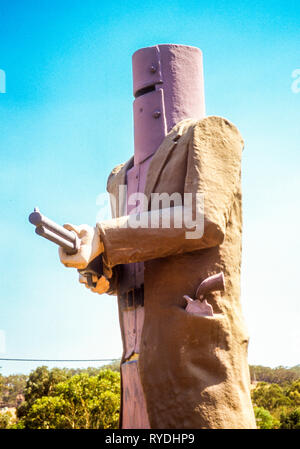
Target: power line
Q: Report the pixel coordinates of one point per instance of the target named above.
(58, 360)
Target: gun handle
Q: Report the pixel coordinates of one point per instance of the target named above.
(213, 283)
(95, 267)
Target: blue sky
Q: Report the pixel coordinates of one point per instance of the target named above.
(66, 121)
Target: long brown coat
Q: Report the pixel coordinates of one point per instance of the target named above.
(194, 369)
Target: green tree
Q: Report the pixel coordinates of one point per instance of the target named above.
(40, 382)
(269, 396)
(290, 420)
(293, 393)
(47, 412)
(7, 419)
(279, 375)
(80, 402)
(14, 386)
(264, 419)
(10, 388)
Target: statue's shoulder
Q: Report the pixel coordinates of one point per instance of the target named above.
(112, 175)
(118, 172)
(216, 125)
(188, 128)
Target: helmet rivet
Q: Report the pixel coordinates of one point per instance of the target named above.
(156, 114)
(153, 69)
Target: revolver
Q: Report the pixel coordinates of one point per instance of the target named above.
(67, 240)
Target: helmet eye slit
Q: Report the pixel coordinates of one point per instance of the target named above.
(144, 90)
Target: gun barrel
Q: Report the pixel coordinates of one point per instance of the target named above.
(37, 219)
(49, 235)
(54, 232)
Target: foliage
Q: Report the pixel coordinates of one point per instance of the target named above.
(264, 419)
(11, 387)
(80, 402)
(277, 407)
(279, 375)
(41, 382)
(270, 396)
(290, 420)
(7, 419)
(46, 413)
(293, 392)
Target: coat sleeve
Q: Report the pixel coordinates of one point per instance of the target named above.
(213, 174)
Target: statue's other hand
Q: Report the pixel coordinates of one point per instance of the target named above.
(90, 246)
(102, 285)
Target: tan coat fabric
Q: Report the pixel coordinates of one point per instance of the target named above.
(194, 369)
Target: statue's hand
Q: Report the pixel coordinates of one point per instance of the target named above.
(90, 246)
(102, 285)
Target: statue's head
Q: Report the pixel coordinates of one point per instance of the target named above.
(168, 87)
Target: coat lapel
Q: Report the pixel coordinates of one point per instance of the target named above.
(159, 159)
(157, 163)
(162, 154)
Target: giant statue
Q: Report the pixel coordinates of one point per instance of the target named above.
(171, 253)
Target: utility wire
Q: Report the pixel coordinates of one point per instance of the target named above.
(57, 360)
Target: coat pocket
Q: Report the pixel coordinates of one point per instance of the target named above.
(206, 334)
